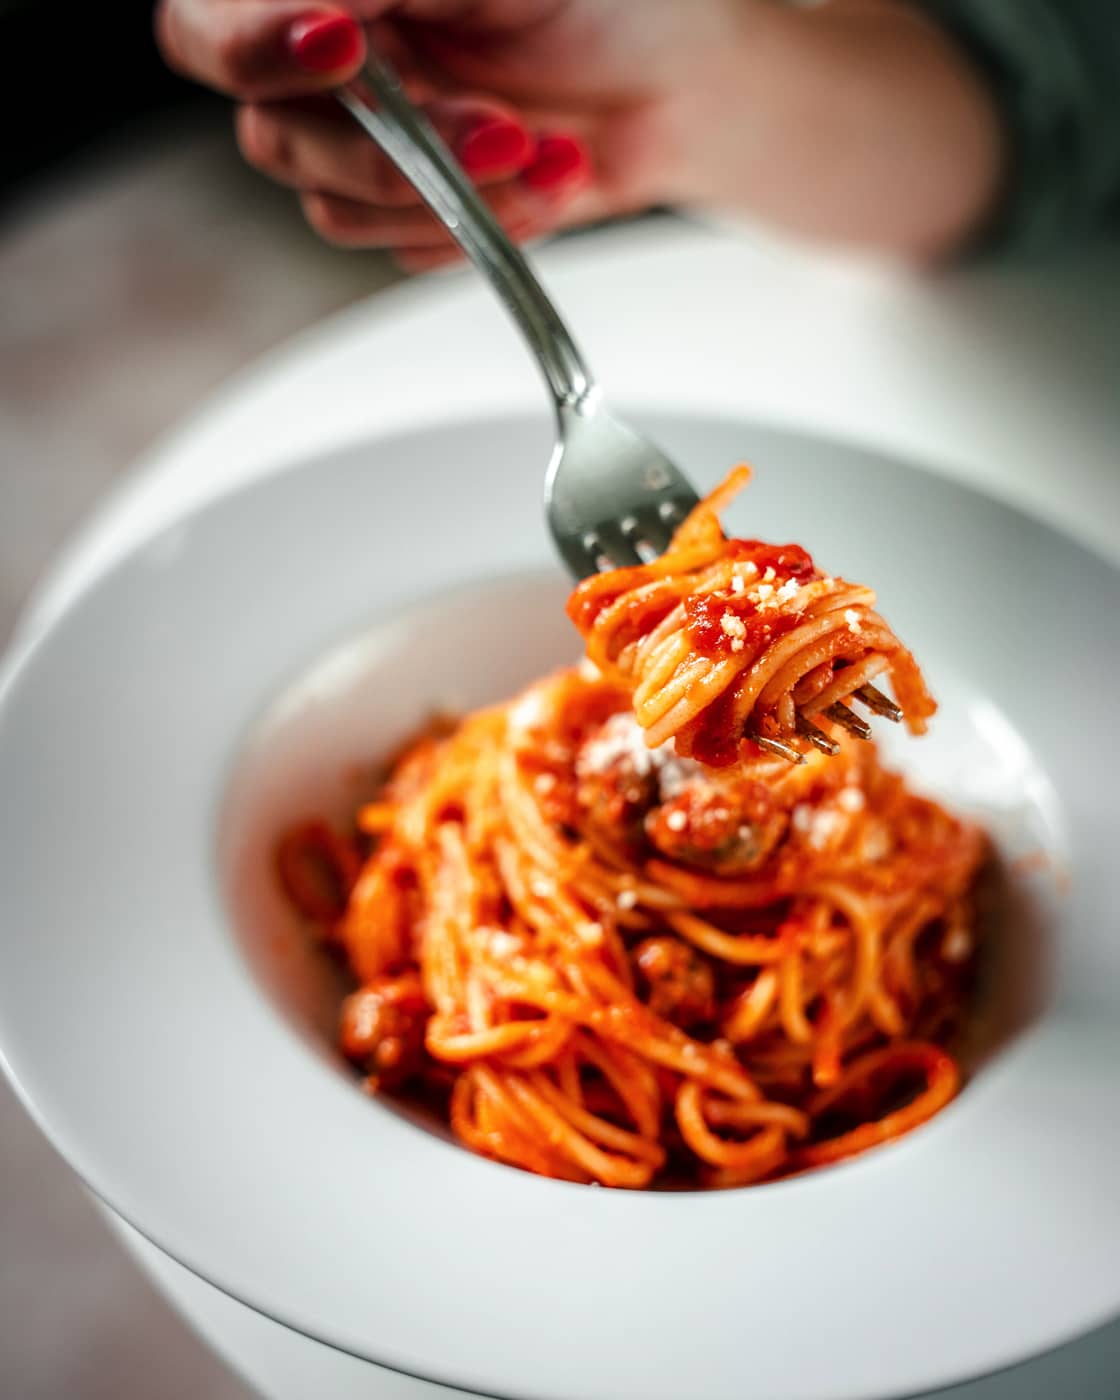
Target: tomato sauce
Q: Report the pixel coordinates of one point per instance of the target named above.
(704, 614)
(714, 737)
(787, 560)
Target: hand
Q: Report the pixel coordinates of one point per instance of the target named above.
(562, 112)
(856, 120)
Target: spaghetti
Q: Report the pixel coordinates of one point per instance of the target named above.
(724, 642)
(605, 962)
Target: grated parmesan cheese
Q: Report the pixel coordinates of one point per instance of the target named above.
(765, 591)
(817, 824)
(528, 712)
(677, 821)
(503, 944)
(769, 576)
(851, 799)
(788, 590)
(733, 626)
(826, 824)
(626, 899)
(851, 617)
(675, 774)
(619, 740)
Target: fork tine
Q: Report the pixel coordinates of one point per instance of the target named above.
(612, 543)
(778, 749)
(817, 737)
(879, 703)
(580, 557)
(841, 715)
(654, 530)
(634, 528)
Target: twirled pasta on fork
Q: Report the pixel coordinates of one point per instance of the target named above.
(726, 643)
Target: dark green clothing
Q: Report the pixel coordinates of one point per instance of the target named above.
(1055, 67)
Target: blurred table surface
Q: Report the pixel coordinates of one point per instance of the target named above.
(129, 290)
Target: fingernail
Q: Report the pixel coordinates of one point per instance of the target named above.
(322, 43)
(494, 145)
(559, 162)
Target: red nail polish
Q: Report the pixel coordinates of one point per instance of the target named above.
(494, 145)
(324, 42)
(560, 161)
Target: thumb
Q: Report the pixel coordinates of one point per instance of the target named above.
(260, 50)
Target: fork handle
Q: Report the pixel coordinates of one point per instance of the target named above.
(415, 147)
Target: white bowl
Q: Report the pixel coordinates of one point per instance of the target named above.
(157, 1018)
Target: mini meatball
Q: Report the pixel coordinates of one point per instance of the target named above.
(616, 777)
(381, 1028)
(678, 979)
(721, 826)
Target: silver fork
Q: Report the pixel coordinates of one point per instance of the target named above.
(612, 497)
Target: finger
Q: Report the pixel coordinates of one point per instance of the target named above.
(547, 216)
(561, 165)
(318, 146)
(418, 260)
(260, 49)
(422, 259)
(350, 224)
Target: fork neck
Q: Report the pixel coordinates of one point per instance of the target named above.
(413, 145)
(565, 371)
